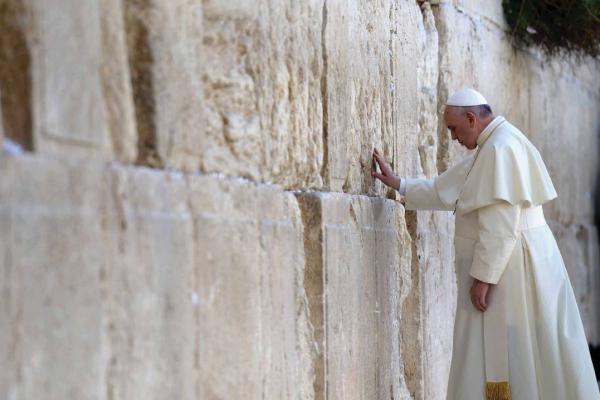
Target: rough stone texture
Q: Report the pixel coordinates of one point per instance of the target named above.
(154, 283)
(359, 285)
(85, 108)
(254, 338)
(150, 321)
(165, 55)
(263, 77)
(53, 255)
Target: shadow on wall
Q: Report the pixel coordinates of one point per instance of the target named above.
(595, 350)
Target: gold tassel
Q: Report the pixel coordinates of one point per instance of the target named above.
(497, 391)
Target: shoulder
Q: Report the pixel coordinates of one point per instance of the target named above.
(509, 140)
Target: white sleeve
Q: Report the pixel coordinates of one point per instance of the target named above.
(402, 188)
(421, 194)
(498, 233)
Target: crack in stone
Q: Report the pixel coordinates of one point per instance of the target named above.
(324, 99)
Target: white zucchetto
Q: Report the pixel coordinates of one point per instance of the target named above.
(466, 98)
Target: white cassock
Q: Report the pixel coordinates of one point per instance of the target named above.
(530, 343)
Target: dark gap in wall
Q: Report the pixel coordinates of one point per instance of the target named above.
(15, 74)
(325, 100)
(141, 61)
(314, 283)
(411, 329)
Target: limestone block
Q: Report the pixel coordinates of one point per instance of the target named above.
(413, 52)
(475, 52)
(263, 81)
(359, 280)
(433, 236)
(565, 126)
(165, 55)
(151, 320)
(81, 93)
(53, 259)
(253, 332)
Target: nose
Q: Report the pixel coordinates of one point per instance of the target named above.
(453, 135)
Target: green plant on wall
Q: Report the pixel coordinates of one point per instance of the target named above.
(556, 26)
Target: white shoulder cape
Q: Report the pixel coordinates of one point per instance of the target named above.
(507, 168)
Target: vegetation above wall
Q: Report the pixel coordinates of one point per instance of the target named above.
(556, 26)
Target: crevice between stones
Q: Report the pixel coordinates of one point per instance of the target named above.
(324, 99)
(141, 61)
(314, 285)
(15, 74)
(411, 328)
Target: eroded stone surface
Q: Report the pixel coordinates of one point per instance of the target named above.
(53, 256)
(81, 97)
(254, 339)
(361, 266)
(263, 67)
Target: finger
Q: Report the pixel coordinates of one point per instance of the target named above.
(378, 175)
(476, 303)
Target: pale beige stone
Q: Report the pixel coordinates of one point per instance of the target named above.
(165, 55)
(359, 287)
(53, 259)
(263, 82)
(151, 319)
(253, 333)
(81, 97)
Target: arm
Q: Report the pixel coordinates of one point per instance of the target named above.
(498, 228)
(425, 194)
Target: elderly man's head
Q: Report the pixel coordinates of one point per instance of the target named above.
(466, 115)
(466, 123)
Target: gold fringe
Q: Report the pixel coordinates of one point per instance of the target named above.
(497, 391)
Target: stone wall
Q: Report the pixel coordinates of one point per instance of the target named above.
(194, 217)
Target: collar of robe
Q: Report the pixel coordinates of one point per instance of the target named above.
(487, 131)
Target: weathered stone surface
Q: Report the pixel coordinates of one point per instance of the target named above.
(263, 69)
(434, 257)
(148, 286)
(254, 339)
(81, 97)
(53, 257)
(359, 280)
(165, 55)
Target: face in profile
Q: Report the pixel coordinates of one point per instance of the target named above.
(461, 125)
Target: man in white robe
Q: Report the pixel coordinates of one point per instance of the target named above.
(518, 333)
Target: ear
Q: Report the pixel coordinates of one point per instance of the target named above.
(471, 118)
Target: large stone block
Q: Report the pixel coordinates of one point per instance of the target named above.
(53, 257)
(165, 55)
(254, 339)
(433, 255)
(149, 285)
(80, 88)
(358, 284)
(263, 81)
(564, 96)
(475, 52)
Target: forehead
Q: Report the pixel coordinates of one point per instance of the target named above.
(451, 115)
